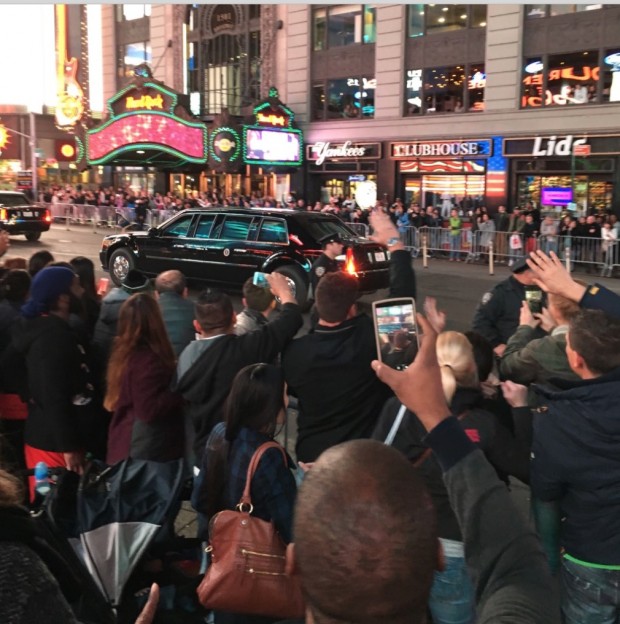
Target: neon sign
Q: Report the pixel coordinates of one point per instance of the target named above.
(272, 120)
(4, 137)
(145, 102)
(224, 145)
(160, 131)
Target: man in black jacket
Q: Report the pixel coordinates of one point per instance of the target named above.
(329, 370)
(208, 365)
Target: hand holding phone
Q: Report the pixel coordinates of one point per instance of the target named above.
(534, 298)
(396, 331)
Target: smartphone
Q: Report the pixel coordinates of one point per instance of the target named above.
(534, 298)
(102, 286)
(260, 279)
(396, 331)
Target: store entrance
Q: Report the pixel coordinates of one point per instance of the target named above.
(445, 192)
(343, 187)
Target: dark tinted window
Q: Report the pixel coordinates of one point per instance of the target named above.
(236, 228)
(203, 230)
(321, 227)
(180, 227)
(273, 231)
(13, 200)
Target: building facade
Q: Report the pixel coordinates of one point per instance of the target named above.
(459, 104)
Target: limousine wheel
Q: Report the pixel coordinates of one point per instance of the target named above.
(301, 289)
(121, 262)
(33, 236)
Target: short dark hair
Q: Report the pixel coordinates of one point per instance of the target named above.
(170, 281)
(213, 310)
(39, 260)
(257, 297)
(335, 295)
(595, 336)
(365, 536)
(15, 285)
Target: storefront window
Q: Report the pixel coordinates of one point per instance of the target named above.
(476, 84)
(478, 17)
(370, 24)
(443, 90)
(444, 17)
(413, 92)
(572, 79)
(129, 12)
(535, 10)
(611, 76)
(132, 55)
(319, 24)
(415, 26)
(318, 102)
(349, 98)
(343, 25)
(532, 83)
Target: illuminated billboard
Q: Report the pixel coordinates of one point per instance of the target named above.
(273, 147)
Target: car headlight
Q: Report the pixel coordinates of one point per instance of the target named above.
(105, 244)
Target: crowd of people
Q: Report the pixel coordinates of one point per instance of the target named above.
(396, 506)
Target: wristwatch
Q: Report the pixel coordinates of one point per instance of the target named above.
(393, 241)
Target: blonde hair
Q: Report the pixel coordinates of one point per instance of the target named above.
(456, 362)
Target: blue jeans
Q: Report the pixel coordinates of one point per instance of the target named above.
(589, 595)
(452, 599)
(455, 246)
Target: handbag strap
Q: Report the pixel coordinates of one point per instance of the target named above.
(395, 426)
(253, 465)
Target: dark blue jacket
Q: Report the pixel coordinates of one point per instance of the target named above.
(598, 297)
(576, 460)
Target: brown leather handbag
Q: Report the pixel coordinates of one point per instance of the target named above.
(246, 574)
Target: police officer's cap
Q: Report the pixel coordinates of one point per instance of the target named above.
(334, 237)
(520, 266)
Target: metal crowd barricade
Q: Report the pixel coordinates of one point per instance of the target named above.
(587, 252)
(411, 239)
(361, 229)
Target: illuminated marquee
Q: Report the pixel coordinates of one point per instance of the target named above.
(272, 140)
(4, 137)
(153, 130)
(145, 102)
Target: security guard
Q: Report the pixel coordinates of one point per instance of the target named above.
(497, 316)
(326, 262)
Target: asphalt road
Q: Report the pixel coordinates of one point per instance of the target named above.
(458, 287)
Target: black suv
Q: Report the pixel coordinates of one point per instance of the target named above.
(227, 245)
(19, 216)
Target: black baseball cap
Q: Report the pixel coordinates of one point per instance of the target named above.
(520, 266)
(334, 237)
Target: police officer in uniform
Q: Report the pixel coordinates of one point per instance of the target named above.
(326, 262)
(497, 316)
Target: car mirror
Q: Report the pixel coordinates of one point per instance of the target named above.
(153, 231)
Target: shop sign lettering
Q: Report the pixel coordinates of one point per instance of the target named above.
(553, 147)
(323, 150)
(145, 102)
(272, 120)
(454, 149)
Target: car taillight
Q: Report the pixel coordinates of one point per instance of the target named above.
(48, 217)
(349, 264)
(2, 214)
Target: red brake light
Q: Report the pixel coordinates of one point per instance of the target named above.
(48, 217)
(349, 265)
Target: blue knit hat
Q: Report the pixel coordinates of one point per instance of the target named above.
(47, 285)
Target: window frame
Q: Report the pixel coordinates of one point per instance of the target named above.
(274, 220)
(547, 10)
(166, 230)
(326, 10)
(425, 27)
(324, 84)
(465, 96)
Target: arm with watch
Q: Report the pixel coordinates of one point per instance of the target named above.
(402, 276)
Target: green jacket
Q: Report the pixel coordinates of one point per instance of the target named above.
(528, 360)
(455, 225)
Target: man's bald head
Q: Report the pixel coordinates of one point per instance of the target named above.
(365, 537)
(170, 281)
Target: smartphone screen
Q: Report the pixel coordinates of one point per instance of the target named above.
(260, 280)
(534, 297)
(102, 286)
(396, 331)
